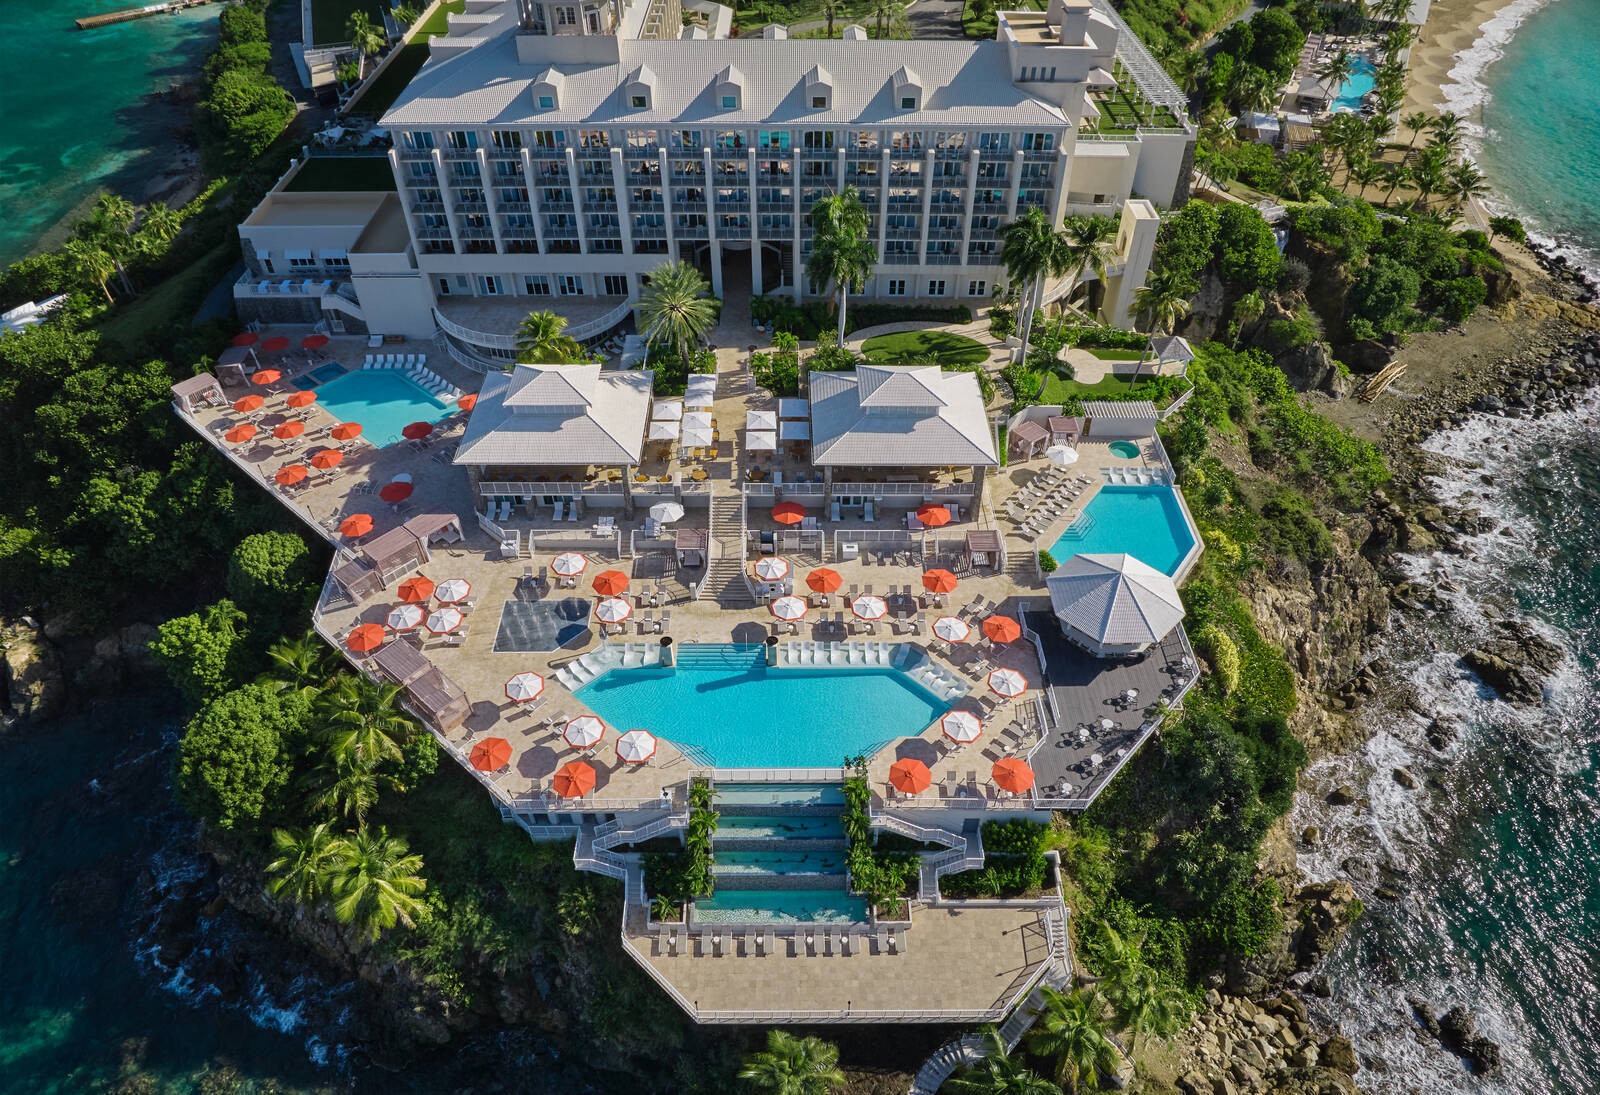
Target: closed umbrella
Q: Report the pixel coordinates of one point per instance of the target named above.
(573, 779)
(395, 492)
(240, 434)
(404, 617)
(939, 581)
(283, 431)
(274, 344)
(490, 754)
(1008, 683)
(961, 726)
(910, 775)
(666, 513)
(788, 609)
(612, 610)
(788, 513)
(933, 515)
(868, 607)
(452, 590)
(266, 376)
(418, 587)
(824, 580)
(610, 583)
(1002, 629)
(1061, 455)
(636, 746)
(568, 563)
(772, 568)
(416, 431)
(524, 686)
(357, 524)
(313, 342)
(442, 621)
(326, 458)
(584, 732)
(952, 629)
(290, 474)
(301, 399)
(696, 437)
(365, 638)
(345, 431)
(1012, 775)
(247, 403)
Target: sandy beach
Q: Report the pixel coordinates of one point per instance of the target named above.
(1453, 25)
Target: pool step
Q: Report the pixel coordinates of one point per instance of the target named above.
(736, 656)
(777, 844)
(1079, 528)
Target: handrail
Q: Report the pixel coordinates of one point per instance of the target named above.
(468, 334)
(599, 326)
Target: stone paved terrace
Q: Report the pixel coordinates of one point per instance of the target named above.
(961, 961)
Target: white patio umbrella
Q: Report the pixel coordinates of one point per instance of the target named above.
(1061, 455)
(636, 746)
(696, 438)
(525, 686)
(1107, 725)
(696, 420)
(442, 621)
(951, 629)
(700, 398)
(667, 412)
(664, 431)
(761, 440)
(584, 732)
(404, 617)
(867, 607)
(612, 610)
(1095, 760)
(666, 512)
(451, 590)
(760, 420)
(772, 568)
(1008, 683)
(788, 609)
(962, 726)
(699, 381)
(568, 563)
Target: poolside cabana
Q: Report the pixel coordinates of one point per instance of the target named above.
(235, 365)
(1064, 430)
(1168, 350)
(401, 662)
(1113, 605)
(985, 547)
(358, 580)
(1027, 439)
(439, 699)
(198, 391)
(402, 550)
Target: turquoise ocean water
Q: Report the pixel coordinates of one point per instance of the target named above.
(77, 116)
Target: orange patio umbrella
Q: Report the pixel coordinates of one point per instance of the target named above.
(240, 434)
(938, 581)
(290, 474)
(1012, 775)
(267, 376)
(326, 458)
(416, 431)
(788, 513)
(357, 524)
(366, 638)
(610, 583)
(415, 588)
(910, 776)
(301, 399)
(247, 403)
(933, 515)
(345, 431)
(824, 580)
(467, 402)
(490, 754)
(313, 342)
(573, 779)
(1002, 629)
(283, 431)
(397, 491)
(274, 344)
(245, 338)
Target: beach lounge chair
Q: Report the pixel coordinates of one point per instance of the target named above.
(897, 940)
(827, 942)
(647, 622)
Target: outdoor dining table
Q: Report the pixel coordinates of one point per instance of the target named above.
(698, 475)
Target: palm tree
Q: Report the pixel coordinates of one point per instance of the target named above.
(1031, 250)
(1417, 123)
(1147, 1005)
(1188, 69)
(1396, 175)
(1069, 1032)
(830, 8)
(1380, 127)
(364, 721)
(1428, 175)
(159, 223)
(305, 858)
(346, 785)
(540, 341)
(365, 39)
(1367, 172)
(793, 1066)
(1164, 299)
(998, 1073)
(1446, 132)
(1335, 68)
(1091, 248)
(375, 882)
(883, 13)
(841, 254)
(1465, 182)
(298, 664)
(89, 260)
(1255, 89)
(676, 308)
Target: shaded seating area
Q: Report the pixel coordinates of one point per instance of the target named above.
(1027, 440)
(198, 391)
(1064, 430)
(439, 699)
(401, 662)
(402, 550)
(236, 364)
(1113, 605)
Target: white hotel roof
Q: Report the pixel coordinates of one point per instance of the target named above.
(558, 415)
(963, 83)
(899, 416)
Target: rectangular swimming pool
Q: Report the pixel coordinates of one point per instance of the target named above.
(1143, 521)
(781, 907)
(383, 402)
(726, 706)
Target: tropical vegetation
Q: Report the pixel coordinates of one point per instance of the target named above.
(541, 340)
(793, 1065)
(841, 254)
(676, 308)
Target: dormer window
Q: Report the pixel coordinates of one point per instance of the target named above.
(547, 89)
(907, 88)
(728, 87)
(819, 88)
(908, 102)
(639, 102)
(819, 102)
(730, 102)
(547, 102)
(640, 88)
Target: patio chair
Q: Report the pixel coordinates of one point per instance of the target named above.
(897, 941)
(827, 942)
(647, 622)
(666, 623)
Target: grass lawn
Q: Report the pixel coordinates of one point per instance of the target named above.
(382, 92)
(144, 320)
(917, 345)
(328, 18)
(1057, 389)
(1116, 355)
(343, 173)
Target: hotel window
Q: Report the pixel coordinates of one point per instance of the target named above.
(615, 285)
(507, 139)
(977, 288)
(1038, 142)
(419, 138)
(336, 260)
(639, 101)
(935, 288)
(570, 285)
(730, 139)
(864, 140)
(300, 260)
(773, 138)
(536, 285)
(730, 102)
(690, 140)
(464, 139)
(547, 102)
(599, 247)
(819, 102)
(994, 142)
(643, 195)
(896, 287)
(491, 285)
(594, 138)
(819, 140)
(908, 102)
(905, 140)
(514, 196)
(954, 140)
(566, 17)
(549, 138)
(472, 196)
(593, 18)
(444, 287)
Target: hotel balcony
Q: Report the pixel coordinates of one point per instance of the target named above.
(483, 330)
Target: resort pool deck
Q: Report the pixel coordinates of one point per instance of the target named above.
(780, 907)
(1357, 87)
(730, 710)
(1143, 521)
(383, 402)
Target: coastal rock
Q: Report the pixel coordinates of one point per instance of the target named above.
(35, 688)
(1311, 836)
(1510, 681)
(1310, 368)
(1342, 795)
(1458, 1030)
(1337, 1053)
(1405, 779)
(1328, 909)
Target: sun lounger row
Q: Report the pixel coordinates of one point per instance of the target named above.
(847, 653)
(940, 681)
(415, 366)
(822, 940)
(1133, 475)
(580, 671)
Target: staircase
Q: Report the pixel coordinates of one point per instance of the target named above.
(736, 657)
(725, 581)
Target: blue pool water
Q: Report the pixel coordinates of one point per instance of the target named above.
(779, 794)
(778, 863)
(1356, 87)
(383, 402)
(1145, 522)
(749, 716)
(780, 907)
(779, 827)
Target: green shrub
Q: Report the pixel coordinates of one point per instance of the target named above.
(1186, 239)
(1247, 253)
(235, 756)
(1461, 296)
(832, 359)
(271, 578)
(1509, 227)
(200, 651)
(1047, 562)
(1222, 654)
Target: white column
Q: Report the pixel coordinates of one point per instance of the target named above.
(971, 200)
(619, 187)
(755, 222)
(927, 205)
(490, 202)
(447, 196)
(798, 228)
(666, 199)
(883, 210)
(1058, 210)
(533, 199)
(1016, 184)
(715, 248)
(576, 189)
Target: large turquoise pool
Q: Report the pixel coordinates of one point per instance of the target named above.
(383, 402)
(1355, 89)
(726, 708)
(1143, 521)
